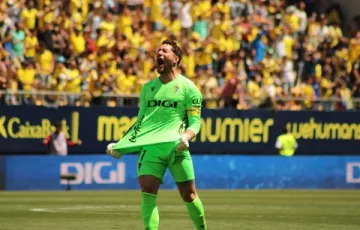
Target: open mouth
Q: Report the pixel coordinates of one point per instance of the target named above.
(160, 61)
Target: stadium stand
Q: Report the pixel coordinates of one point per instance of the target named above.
(241, 54)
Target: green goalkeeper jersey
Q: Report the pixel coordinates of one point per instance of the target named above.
(166, 111)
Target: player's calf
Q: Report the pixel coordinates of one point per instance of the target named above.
(193, 204)
(149, 211)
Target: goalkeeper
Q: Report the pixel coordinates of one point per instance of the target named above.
(169, 117)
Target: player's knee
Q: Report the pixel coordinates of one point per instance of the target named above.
(187, 191)
(189, 196)
(149, 189)
(149, 184)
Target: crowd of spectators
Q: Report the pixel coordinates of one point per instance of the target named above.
(240, 53)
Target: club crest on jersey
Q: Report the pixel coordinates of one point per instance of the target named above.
(176, 88)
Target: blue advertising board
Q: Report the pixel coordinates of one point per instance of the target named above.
(232, 172)
(223, 131)
(2, 173)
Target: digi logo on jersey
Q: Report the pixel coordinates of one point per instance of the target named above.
(160, 103)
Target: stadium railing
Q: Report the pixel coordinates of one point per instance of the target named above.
(54, 98)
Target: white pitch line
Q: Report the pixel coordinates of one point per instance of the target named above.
(97, 209)
(41, 210)
(118, 208)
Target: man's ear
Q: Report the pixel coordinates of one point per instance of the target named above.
(175, 61)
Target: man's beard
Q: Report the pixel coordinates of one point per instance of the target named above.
(165, 69)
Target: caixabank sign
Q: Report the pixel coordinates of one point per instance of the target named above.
(222, 131)
(96, 172)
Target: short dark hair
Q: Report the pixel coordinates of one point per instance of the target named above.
(175, 48)
(58, 123)
(285, 129)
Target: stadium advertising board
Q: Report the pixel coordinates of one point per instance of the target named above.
(232, 172)
(223, 131)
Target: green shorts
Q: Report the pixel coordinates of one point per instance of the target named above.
(155, 159)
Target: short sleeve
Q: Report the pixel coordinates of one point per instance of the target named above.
(278, 144)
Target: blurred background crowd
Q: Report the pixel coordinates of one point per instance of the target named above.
(242, 54)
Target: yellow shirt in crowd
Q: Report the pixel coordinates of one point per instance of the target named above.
(224, 8)
(28, 16)
(205, 57)
(31, 42)
(75, 5)
(74, 81)
(156, 11)
(189, 63)
(45, 60)
(108, 26)
(78, 42)
(288, 42)
(205, 8)
(126, 83)
(294, 21)
(309, 93)
(326, 84)
(354, 48)
(253, 91)
(347, 97)
(26, 77)
(124, 25)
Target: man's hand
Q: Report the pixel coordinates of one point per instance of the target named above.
(184, 143)
(110, 151)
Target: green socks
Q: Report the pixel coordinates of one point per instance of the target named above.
(149, 211)
(197, 214)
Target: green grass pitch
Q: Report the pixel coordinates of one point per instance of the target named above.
(238, 209)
